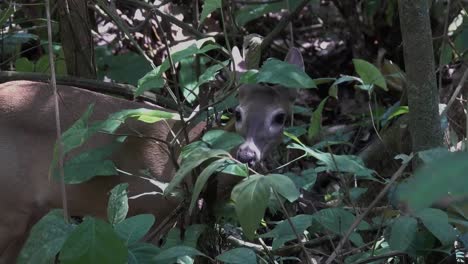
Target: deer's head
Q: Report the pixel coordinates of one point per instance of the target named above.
(262, 113)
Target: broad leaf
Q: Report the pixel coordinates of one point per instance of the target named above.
(202, 179)
(369, 74)
(134, 228)
(315, 125)
(341, 163)
(142, 253)
(288, 75)
(251, 199)
(209, 6)
(117, 208)
(86, 165)
(191, 162)
(177, 252)
(154, 79)
(283, 232)
(403, 231)
(338, 221)
(45, 239)
(220, 139)
(238, 256)
(93, 241)
(284, 186)
(435, 180)
(437, 222)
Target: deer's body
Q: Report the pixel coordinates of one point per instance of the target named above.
(28, 135)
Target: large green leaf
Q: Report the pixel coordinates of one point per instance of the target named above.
(315, 125)
(283, 232)
(142, 253)
(122, 68)
(154, 79)
(341, 163)
(134, 228)
(369, 74)
(435, 180)
(238, 256)
(251, 199)
(254, 11)
(117, 207)
(192, 161)
(176, 252)
(202, 179)
(437, 222)
(403, 231)
(221, 139)
(338, 221)
(45, 239)
(284, 186)
(288, 75)
(93, 241)
(209, 6)
(88, 164)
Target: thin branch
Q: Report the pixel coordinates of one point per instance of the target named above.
(58, 130)
(358, 220)
(282, 24)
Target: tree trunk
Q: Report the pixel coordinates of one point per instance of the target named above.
(423, 99)
(77, 42)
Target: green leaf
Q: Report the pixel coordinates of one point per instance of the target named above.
(288, 75)
(369, 74)
(254, 11)
(356, 193)
(234, 168)
(220, 139)
(176, 252)
(202, 179)
(117, 207)
(341, 163)
(435, 180)
(251, 199)
(142, 253)
(209, 6)
(24, 65)
(315, 125)
(134, 228)
(283, 232)
(305, 180)
(338, 221)
(399, 111)
(284, 186)
(115, 120)
(192, 234)
(93, 241)
(45, 239)
(403, 232)
(122, 68)
(238, 256)
(445, 54)
(433, 155)
(437, 222)
(154, 79)
(88, 164)
(191, 162)
(249, 77)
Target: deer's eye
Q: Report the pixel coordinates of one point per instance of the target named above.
(279, 119)
(238, 115)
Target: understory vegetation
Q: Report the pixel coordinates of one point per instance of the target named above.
(372, 164)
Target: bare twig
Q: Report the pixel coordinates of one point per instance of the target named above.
(58, 130)
(282, 24)
(358, 220)
(457, 91)
(299, 238)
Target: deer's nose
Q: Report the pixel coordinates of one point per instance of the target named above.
(246, 156)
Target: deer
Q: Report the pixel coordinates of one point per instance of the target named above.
(27, 138)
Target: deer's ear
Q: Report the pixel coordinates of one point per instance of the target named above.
(294, 56)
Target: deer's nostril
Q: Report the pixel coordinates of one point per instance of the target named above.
(246, 156)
